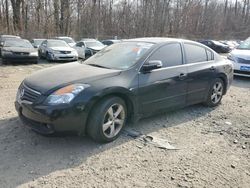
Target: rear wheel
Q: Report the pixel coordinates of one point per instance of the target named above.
(215, 93)
(107, 119)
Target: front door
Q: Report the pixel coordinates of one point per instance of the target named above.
(164, 88)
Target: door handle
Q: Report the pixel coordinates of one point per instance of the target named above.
(212, 68)
(182, 76)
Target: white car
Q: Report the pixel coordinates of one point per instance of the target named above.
(241, 59)
(88, 47)
(54, 50)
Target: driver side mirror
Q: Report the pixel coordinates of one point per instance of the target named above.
(1, 43)
(151, 65)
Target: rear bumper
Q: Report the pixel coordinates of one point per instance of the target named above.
(48, 120)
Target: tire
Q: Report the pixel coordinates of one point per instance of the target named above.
(215, 93)
(104, 114)
(40, 55)
(47, 57)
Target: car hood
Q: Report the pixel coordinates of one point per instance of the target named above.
(245, 54)
(72, 44)
(62, 48)
(50, 79)
(97, 48)
(19, 49)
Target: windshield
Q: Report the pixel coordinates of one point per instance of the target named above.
(18, 43)
(244, 45)
(57, 43)
(68, 40)
(119, 56)
(90, 44)
(38, 42)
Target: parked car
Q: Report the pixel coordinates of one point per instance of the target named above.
(68, 40)
(18, 50)
(90, 46)
(53, 50)
(108, 42)
(232, 44)
(3, 38)
(37, 42)
(80, 48)
(216, 46)
(241, 59)
(124, 82)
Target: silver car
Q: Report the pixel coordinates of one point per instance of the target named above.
(57, 50)
(241, 59)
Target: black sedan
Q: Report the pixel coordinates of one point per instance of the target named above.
(18, 50)
(216, 46)
(123, 82)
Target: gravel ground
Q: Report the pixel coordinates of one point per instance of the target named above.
(213, 147)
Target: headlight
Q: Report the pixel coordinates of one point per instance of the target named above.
(6, 52)
(34, 53)
(66, 94)
(56, 52)
(230, 57)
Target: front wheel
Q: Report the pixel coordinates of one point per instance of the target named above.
(107, 119)
(215, 93)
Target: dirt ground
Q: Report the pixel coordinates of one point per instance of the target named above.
(213, 147)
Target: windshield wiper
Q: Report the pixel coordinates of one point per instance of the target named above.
(100, 66)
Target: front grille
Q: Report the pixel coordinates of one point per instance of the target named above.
(243, 61)
(21, 53)
(69, 57)
(242, 72)
(65, 52)
(28, 94)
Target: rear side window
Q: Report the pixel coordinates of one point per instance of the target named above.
(194, 53)
(210, 55)
(170, 55)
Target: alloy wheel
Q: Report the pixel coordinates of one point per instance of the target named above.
(114, 120)
(217, 92)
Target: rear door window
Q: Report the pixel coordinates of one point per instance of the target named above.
(195, 53)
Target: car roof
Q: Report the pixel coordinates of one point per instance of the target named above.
(9, 36)
(88, 39)
(62, 37)
(156, 40)
(54, 40)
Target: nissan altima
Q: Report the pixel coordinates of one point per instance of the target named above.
(18, 50)
(122, 83)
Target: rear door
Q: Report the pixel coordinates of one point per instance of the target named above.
(201, 71)
(165, 87)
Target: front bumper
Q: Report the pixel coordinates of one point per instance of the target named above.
(63, 57)
(49, 119)
(20, 58)
(239, 72)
